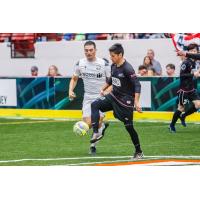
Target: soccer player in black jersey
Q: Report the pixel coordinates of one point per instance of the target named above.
(187, 89)
(125, 94)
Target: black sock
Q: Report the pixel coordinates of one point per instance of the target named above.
(134, 136)
(175, 117)
(189, 111)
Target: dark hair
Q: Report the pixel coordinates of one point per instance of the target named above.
(149, 59)
(117, 49)
(89, 42)
(34, 69)
(141, 67)
(193, 46)
(171, 66)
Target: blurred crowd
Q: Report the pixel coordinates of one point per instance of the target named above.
(111, 36)
(149, 67)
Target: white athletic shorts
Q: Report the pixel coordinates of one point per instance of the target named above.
(87, 101)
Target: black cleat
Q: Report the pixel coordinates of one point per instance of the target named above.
(172, 128)
(92, 151)
(182, 120)
(138, 155)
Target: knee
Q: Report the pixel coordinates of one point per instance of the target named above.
(128, 123)
(181, 108)
(95, 105)
(197, 104)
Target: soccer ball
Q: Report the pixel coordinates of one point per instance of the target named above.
(80, 128)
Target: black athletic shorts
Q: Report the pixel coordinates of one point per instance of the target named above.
(186, 97)
(108, 103)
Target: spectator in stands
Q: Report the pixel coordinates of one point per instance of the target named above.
(34, 71)
(147, 62)
(170, 70)
(155, 63)
(142, 70)
(53, 71)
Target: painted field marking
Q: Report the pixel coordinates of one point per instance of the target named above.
(99, 157)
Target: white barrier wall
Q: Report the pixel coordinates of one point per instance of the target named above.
(65, 54)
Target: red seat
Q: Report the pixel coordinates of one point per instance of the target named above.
(23, 36)
(4, 36)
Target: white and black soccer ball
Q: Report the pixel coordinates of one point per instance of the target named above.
(80, 128)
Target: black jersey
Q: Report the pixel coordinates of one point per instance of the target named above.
(125, 83)
(187, 82)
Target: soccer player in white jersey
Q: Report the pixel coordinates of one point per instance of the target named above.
(94, 71)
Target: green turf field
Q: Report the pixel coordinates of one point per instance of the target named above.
(38, 142)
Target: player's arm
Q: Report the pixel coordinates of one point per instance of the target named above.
(72, 85)
(73, 81)
(106, 87)
(195, 56)
(130, 72)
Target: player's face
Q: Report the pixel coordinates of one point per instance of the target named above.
(193, 51)
(116, 58)
(90, 52)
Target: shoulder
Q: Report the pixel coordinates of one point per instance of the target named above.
(81, 62)
(186, 62)
(156, 63)
(103, 61)
(128, 67)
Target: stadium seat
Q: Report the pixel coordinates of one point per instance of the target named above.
(5, 37)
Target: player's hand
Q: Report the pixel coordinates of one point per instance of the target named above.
(102, 93)
(197, 73)
(181, 53)
(138, 107)
(72, 95)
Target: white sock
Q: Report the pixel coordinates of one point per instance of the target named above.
(100, 132)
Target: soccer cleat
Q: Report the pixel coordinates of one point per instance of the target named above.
(182, 118)
(96, 137)
(92, 151)
(138, 155)
(172, 128)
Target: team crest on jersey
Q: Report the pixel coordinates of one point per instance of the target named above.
(121, 75)
(98, 67)
(116, 82)
(183, 66)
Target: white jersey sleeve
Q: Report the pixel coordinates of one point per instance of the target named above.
(77, 71)
(107, 70)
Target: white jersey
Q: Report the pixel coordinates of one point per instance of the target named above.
(93, 73)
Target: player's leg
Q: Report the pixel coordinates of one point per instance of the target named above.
(101, 104)
(194, 97)
(177, 113)
(126, 116)
(87, 119)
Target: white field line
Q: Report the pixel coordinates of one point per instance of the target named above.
(29, 122)
(97, 157)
